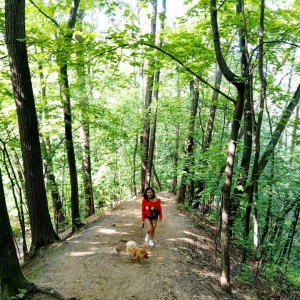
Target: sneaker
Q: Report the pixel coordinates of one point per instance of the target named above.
(147, 238)
(151, 244)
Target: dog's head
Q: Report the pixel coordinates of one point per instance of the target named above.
(143, 254)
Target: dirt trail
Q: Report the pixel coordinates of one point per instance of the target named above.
(94, 265)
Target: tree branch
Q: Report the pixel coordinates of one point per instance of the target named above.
(189, 70)
(278, 131)
(48, 17)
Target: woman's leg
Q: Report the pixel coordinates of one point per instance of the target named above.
(148, 223)
(154, 223)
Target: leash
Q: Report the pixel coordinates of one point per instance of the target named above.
(142, 233)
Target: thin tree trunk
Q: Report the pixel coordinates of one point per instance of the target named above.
(285, 252)
(133, 177)
(46, 150)
(68, 121)
(176, 150)
(156, 179)
(85, 129)
(208, 136)
(279, 129)
(155, 97)
(10, 171)
(176, 159)
(189, 150)
(51, 184)
(212, 113)
(255, 176)
(146, 141)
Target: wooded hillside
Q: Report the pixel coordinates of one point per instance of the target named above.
(101, 99)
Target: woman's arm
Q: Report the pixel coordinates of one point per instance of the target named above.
(160, 210)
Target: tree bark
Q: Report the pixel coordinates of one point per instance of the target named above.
(15, 186)
(40, 223)
(11, 276)
(189, 150)
(278, 131)
(64, 81)
(238, 112)
(255, 176)
(146, 167)
(58, 212)
(212, 113)
(82, 73)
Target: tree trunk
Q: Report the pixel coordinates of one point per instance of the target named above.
(189, 159)
(175, 155)
(19, 179)
(285, 252)
(186, 170)
(15, 186)
(208, 137)
(11, 276)
(58, 212)
(279, 129)
(85, 129)
(155, 98)
(176, 159)
(145, 141)
(57, 205)
(213, 108)
(255, 176)
(133, 177)
(238, 113)
(62, 62)
(41, 227)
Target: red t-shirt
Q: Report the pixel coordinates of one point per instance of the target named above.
(148, 206)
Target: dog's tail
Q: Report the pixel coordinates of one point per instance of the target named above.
(131, 243)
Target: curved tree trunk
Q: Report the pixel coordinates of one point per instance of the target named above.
(238, 113)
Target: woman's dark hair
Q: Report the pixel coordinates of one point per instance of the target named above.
(148, 189)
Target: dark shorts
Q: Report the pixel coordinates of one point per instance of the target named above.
(152, 218)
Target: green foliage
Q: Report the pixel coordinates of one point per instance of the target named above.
(16, 230)
(245, 275)
(22, 293)
(108, 63)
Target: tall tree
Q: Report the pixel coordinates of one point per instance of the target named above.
(40, 223)
(264, 160)
(189, 150)
(64, 81)
(249, 122)
(237, 116)
(150, 165)
(85, 127)
(47, 154)
(145, 139)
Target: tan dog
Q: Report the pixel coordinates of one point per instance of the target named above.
(135, 252)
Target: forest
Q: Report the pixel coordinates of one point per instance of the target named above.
(103, 98)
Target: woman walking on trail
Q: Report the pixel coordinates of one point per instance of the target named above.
(151, 212)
